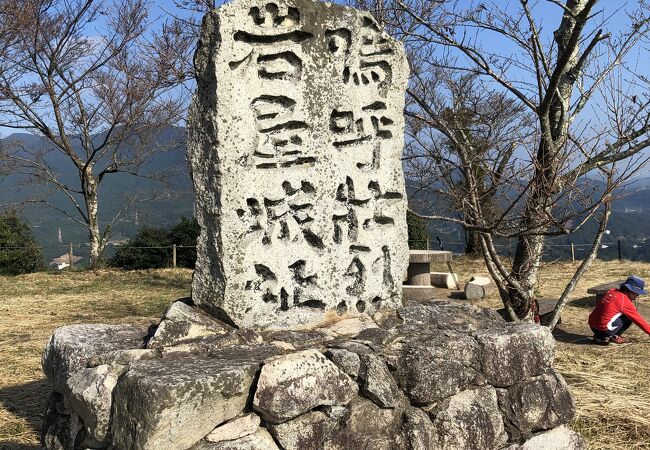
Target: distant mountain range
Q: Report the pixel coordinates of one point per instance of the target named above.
(168, 204)
(628, 222)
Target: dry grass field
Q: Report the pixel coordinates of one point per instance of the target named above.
(611, 385)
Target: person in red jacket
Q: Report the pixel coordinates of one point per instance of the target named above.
(615, 312)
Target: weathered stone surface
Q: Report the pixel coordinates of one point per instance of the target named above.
(469, 420)
(260, 440)
(478, 287)
(173, 403)
(235, 429)
(90, 394)
(560, 438)
(350, 326)
(295, 155)
(420, 432)
(421, 387)
(299, 339)
(182, 322)
(247, 340)
(347, 361)
(430, 367)
(370, 427)
(419, 293)
(61, 427)
(427, 256)
(540, 403)
(446, 280)
(515, 352)
(293, 384)
(309, 431)
(375, 337)
(70, 348)
(123, 357)
(377, 383)
(449, 316)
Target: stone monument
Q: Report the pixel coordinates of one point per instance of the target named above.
(295, 141)
(295, 337)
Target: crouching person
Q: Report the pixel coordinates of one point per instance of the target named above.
(615, 312)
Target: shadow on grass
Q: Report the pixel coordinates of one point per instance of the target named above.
(571, 338)
(584, 302)
(27, 401)
(8, 445)
(166, 283)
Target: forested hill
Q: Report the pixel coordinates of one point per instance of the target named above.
(159, 204)
(167, 203)
(629, 224)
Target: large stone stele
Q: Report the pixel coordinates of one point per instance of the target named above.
(295, 139)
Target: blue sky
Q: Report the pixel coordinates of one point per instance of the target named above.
(548, 13)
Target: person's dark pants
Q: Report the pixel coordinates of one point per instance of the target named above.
(619, 326)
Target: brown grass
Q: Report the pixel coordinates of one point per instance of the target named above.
(611, 385)
(32, 306)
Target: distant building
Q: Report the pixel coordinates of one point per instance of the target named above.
(63, 261)
(118, 240)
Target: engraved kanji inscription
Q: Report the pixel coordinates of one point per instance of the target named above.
(364, 55)
(295, 134)
(282, 219)
(345, 217)
(381, 201)
(301, 291)
(370, 124)
(281, 135)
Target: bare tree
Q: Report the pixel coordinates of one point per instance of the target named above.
(98, 84)
(577, 81)
(461, 139)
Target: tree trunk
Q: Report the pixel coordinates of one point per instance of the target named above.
(473, 244)
(554, 123)
(525, 269)
(94, 235)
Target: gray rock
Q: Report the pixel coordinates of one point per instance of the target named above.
(309, 431)
(61, 427)
(212, 345)
(430, 367)
(367, 426)
(260, 440)
(235, 428)
(70, 348)
(350, 326)
(377, 383)
(299, 339)
(449, 316)
(560, 438)
(420, 432)
(376, 337)
(123, 357)
(89, 393)
(360, 348)
(540, 403)
(347, 361)
(173, 403)
(291, 385)
(182, 323)
(335, 412)
(300, 211)
(469, 420)
(515, 352)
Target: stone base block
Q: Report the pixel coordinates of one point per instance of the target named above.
(426, 376)
(416, 294)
